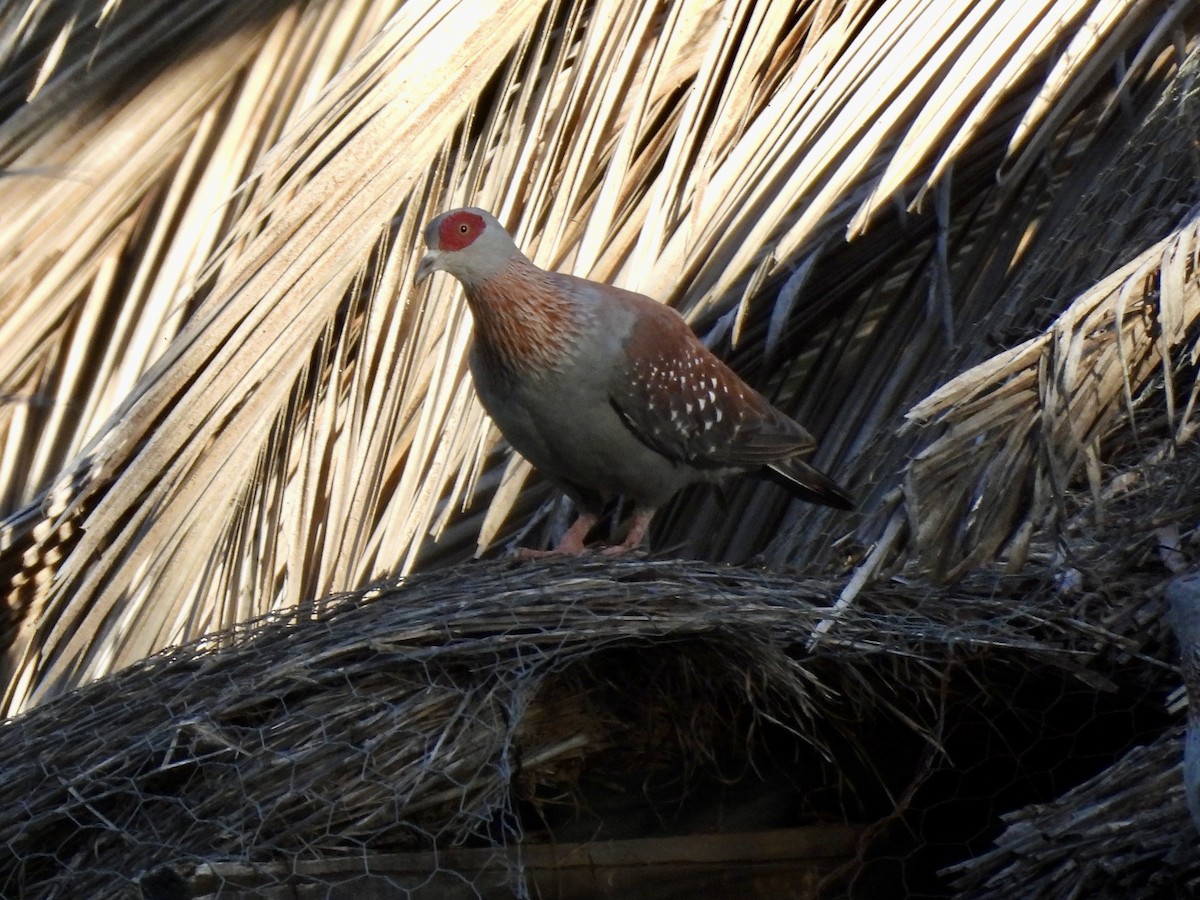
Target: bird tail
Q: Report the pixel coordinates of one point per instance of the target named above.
(810, 484)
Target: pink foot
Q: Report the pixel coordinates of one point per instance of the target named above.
(572, 542)
(637, 533)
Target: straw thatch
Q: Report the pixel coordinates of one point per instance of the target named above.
(421, 714)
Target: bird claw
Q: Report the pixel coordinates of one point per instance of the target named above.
(621, 549)
(572, 543)
(530, 553)
(614, 550)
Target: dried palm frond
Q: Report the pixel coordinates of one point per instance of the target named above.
(1011, 432)
(276, 415)
(980, 281)
(1023, 424)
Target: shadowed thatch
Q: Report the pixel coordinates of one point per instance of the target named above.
(423, 714)
(1123, 834)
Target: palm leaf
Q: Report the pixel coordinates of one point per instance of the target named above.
(276, 415)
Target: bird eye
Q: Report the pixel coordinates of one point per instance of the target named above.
(463, 228)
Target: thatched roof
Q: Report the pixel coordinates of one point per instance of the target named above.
(478, 704)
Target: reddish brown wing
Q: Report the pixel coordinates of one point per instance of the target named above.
(685, 403)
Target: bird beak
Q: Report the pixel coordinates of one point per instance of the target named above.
(429, 265)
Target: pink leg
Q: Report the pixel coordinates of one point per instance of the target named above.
(571, 543)
(637, 533)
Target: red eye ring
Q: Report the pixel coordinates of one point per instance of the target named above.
(459, 229)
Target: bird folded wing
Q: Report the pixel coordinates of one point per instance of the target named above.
(694, 409)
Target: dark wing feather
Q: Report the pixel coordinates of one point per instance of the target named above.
(811, 484)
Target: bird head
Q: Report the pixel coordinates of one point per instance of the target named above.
(467, 243)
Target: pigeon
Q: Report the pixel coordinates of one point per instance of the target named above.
(606, 392)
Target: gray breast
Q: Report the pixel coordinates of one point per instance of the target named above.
(564, 423)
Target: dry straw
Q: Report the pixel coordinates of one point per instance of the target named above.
(415, 715)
